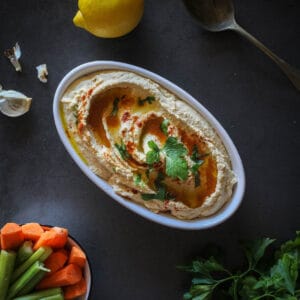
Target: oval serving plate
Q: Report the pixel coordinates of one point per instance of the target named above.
(163, 219)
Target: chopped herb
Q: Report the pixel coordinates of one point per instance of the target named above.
(161, 193)
(148, 99)
(176, 164)
(152, 156)
(164, 126)
(115, 107)
(196, 156)
(122, 150)
(195, 172)
(75, 113)
(137, 179)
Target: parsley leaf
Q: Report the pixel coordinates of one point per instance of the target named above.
(152, 156)
(176, 164)
(115, 107)
(148, 99)
(137, 179)
(161, 193)
(122, 150)
(164, 126)
(278, 279)
(195, 172)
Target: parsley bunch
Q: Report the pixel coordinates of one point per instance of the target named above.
(262, 279)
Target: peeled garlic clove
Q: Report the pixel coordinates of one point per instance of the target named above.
(13, 103)
(42, 72)
(14, 55)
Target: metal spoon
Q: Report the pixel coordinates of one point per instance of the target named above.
(218, 15)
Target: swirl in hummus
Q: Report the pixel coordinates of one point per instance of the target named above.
(149, 145)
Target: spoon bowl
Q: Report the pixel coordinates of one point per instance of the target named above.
(213, 15)
(218, 15)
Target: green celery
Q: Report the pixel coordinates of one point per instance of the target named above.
(24, 279)
(32, 283)
(41, 294)
(39, 255)
(24, 252)
(7, 262)
(55, 297)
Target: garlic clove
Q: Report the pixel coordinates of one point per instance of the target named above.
(42, 73)
(14, 55)
(13, 103)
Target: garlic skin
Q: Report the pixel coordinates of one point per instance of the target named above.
(14, 55)
(14, 103)
(42, 73)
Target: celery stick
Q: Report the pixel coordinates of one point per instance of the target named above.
(55, 297)
(40, 294)
(41, 252)
(24, 252)
(29, 287)
(24, 279)
(7, 261)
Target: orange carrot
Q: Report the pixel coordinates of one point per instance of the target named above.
(77, 257)
(76, 290)
(56, 261)
(55, 238)
(68, 275)
(32, 231)
(45, 228)
(11, 236)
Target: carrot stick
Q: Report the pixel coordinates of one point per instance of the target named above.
(55, 238)
(32, 231)
(56, 261)
(77, 257)
(76, 290)
(11, 236)
(68, 275)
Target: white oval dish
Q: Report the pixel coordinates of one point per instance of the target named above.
(163, 219)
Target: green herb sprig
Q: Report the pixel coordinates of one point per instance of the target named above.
(176, 164)
(115, 107)
(123, 151)
(262, 279)
(148, 99)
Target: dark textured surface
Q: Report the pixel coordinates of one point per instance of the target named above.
(133, 258)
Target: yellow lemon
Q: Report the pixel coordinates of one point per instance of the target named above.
(109, 18)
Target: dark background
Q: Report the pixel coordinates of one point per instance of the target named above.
(133, 258)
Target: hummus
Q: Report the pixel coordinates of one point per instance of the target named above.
(149, 145)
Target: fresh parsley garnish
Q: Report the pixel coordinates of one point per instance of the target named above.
(195, 172)
(115, 107)
(164, 126)
(148, 99)
(176, 164)
(137, 179)
(152, 156)
(122, 150)
(197, 158)
(75, 112)
(161, 193)
(265, 277)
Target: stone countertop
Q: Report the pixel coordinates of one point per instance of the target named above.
(133, 258)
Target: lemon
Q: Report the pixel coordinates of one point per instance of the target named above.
(109, 18)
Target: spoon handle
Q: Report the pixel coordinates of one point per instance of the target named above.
(291, 72)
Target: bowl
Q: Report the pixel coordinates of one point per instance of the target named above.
(164, 219)
(87, 274)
